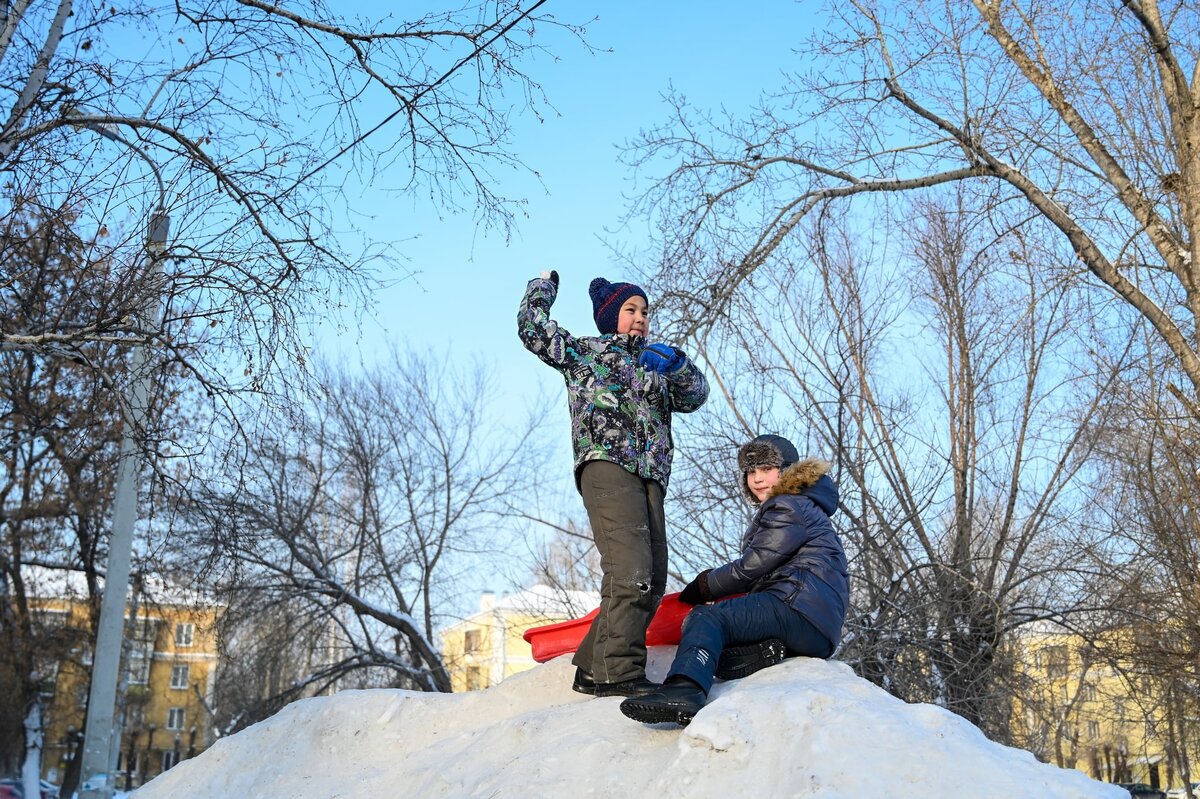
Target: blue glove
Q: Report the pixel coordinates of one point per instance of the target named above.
(661, 358)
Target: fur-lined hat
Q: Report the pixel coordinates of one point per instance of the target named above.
(765, 451)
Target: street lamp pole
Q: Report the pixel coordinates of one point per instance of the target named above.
(101, 740)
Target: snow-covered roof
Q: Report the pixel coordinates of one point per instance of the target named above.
(546, 601)
(47, 583)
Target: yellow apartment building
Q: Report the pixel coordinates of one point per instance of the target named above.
(1098, 714)
(484, 648)
(168, 670)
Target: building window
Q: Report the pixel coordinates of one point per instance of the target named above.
(179, 677)
(175, 718)
(474, 678)
(183, 633)
(1088, 692)
(471, 641)
(1054, 659)
(1094, 731)
(170, 758)
(139, 667)
(49, 683)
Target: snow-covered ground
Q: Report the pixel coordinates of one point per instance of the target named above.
(803, 728)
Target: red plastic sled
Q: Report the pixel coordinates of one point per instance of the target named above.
(551, 640)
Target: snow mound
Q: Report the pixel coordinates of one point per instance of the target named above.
(803, 728)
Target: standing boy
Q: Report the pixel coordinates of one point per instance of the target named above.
(621, 393)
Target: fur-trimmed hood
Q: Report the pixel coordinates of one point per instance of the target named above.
(808, 477)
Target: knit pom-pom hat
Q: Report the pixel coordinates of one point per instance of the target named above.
(765, 451)
(607, 299)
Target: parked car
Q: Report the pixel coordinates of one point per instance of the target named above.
(1181, 793)
(1140, 790)
(14, 789)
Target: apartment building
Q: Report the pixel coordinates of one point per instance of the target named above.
(168, 669)
(486, 647)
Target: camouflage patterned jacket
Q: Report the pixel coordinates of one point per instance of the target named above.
(619, 411)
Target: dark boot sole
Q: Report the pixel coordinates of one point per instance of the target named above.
(655, 713)
(742, 661)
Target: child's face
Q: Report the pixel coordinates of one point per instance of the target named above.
(761, 479)
(634, 317)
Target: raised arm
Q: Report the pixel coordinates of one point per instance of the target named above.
(540, 334)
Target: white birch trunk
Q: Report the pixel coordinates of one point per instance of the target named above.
(31, 769)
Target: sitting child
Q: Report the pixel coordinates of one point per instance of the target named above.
(793, 569)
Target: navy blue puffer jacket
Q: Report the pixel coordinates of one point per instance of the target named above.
(791, 550)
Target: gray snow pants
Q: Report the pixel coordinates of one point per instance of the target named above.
(626, 514)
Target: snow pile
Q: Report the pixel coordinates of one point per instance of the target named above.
(805, 727)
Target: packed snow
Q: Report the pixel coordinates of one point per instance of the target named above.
(803, 728)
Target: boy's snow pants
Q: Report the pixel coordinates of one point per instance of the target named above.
(708, 629)
(626, 514)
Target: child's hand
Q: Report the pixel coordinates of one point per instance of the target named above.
(551, 275)
(661, 358)
(696, 592)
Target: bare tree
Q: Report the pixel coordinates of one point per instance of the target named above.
(1081, 115)
(348, 528)
(949, 391)
(58, 429)
(568, 561)
(249, 123)
(247, 127)
(250, 126)
(1145, 485)
(981, 506)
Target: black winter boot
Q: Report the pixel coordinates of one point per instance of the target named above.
(742, 661)
(583, 683)
(636, 686)
(677, 701)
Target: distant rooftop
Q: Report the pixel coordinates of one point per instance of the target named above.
(47, 583)
(543, 600)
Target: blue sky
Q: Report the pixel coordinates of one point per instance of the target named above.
(468, 284)
(463, 300)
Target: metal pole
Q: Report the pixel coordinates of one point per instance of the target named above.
(102, 697)
(101, 736)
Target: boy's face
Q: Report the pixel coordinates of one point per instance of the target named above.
(634, 317)
(761, 479)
